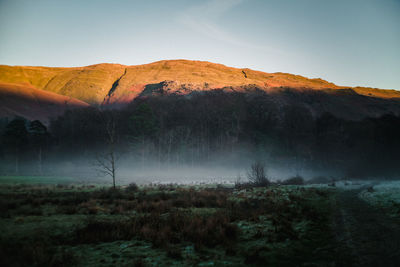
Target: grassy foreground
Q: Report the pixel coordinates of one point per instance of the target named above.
(164, 225)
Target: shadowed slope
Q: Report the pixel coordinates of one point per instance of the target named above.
(32, 103)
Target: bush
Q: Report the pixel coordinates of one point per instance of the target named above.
(297, 180)
(66, 209)
(319, 180)
(132, 187)
(174, 253)
(162, 230)
(257, 175)
(39, 251)
(109, 194)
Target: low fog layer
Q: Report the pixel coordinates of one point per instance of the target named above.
(210, 137)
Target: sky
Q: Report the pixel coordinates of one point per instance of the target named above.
(348, 42)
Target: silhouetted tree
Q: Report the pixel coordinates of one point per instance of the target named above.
(39, 138)
(16, 137)
(142, 125)
(257, 174)
(200, 127)
(106, 162)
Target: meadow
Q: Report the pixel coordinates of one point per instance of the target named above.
(166, 225)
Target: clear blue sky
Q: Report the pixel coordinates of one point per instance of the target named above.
(348, 42)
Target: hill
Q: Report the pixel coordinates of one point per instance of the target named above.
(119, 84)
(32, 103)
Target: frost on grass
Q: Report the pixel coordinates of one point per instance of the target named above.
(384, 195)
(165, 225)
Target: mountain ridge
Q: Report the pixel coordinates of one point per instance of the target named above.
(111, 83)
(61, 79)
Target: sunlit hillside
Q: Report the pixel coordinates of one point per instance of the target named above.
(93, 84)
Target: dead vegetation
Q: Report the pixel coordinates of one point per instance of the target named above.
(246, 224)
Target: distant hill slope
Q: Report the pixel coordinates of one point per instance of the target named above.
(89, 84)
(114, 83)
(32, 103)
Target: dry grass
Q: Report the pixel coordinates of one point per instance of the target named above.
(169, 218)
(172, 228)
(92, 83)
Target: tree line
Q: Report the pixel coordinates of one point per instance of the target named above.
(210, 127)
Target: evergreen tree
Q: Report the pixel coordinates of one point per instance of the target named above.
(16, 138)
(39, 138)
(142, 125)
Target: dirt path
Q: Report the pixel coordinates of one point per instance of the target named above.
(372, 237)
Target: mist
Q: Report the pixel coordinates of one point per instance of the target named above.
(212, 137)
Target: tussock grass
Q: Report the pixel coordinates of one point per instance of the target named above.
(250, 225)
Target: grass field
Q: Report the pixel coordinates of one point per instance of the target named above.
(165, 225)
(52, 180)
(36, 180)
(385, 196)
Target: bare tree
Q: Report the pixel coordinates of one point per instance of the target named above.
(16, 137)
(257, 175)
(106, 165)
(39, 138)
(106, 162)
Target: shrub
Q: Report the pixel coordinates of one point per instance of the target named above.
(28, 210)
(319, 180)
(257, 175)
(174, 253)
(109, 194)
(132, 187)
(256, 256)
(162, 230)
(38, 251)
(66, 209)
(90, 207)
(297, 180)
